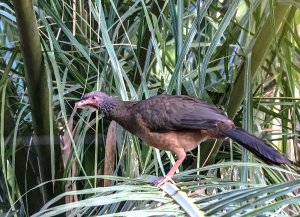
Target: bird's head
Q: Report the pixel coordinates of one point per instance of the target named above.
(97, 100)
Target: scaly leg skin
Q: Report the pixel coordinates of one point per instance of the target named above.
(160, 181)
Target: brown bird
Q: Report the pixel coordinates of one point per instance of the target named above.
(177, 124)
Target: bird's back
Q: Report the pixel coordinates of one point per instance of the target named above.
(167, 112)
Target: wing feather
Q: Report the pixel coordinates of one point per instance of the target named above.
(167, 113)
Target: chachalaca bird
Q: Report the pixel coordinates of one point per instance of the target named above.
(177, 124)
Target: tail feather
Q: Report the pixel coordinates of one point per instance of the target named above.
(257, 146)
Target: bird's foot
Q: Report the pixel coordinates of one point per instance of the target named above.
(162, 180)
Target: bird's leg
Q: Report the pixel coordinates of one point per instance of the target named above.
(181, 156)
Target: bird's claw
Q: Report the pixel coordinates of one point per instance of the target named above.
(162, 180)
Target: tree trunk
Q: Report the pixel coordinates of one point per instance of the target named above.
(36, 82)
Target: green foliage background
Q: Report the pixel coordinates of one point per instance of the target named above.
(241, 55)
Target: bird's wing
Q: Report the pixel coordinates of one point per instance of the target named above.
(165, 113)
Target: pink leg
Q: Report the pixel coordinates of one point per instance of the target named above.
(168, 177)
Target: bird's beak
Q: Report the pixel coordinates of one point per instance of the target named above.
(85, 103)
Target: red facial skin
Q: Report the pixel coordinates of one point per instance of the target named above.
(92, 102)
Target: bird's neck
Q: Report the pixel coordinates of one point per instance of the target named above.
(108, 108)
(119, 111)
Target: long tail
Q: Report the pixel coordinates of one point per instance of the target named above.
(257, 146)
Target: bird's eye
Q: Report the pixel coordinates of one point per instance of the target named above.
(93, 97)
